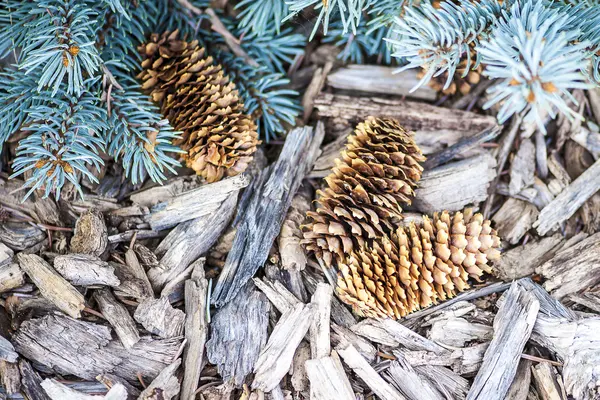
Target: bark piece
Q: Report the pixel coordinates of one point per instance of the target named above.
(378, 79)
(512, 327)
(414, 116)
(85, 270)
(118, 317)
(90, 235)
(411, 384)
(361, 367)
(190, 240)
(569, 200)
(31, 382)
(195, 203)
(134, 281)
(276, 357)
(519, 389)
(546, 382)
(265, 205)
(320, 341)
(514, 219)
(522, 169)
(452, 186)
(573, 269)
(51, 285)
(236, 342)
(299, 379)
(58, 391)
(165, 386)
(328, 380)
(196, 330)
(10, 377)
(523, 260)
(21, 236)
(314, 88)
(160, 318)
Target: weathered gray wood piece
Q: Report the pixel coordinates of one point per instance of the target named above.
(522, 261)
(514, 219)
(90, 236)
(85, 270)
(51, 285)
(457, 332)
(7, 351)
(149, 197)
(320, 341)
(190, 240)
(160, 318)
(339, 313)
(276, 357)
(454, 185)
(407, 381)
(414, 116)
(522, 168)
(361, 367)
(328, 380)
(236, 342)
(266, 204)
(278, 295)
(512, 327)
(588, 139)
(31, 382)
(342, 335)
(58, 391)
(519, 389)
(569, 200)
(196, 330)
(378, 79)
(118, 317)
(165, 386)
(6, 255)
(546, 381)
(573, 269)
(195, 203)
(292, 253)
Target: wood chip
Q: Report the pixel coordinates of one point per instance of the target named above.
(522, 168)
(278, 295)
(6, 254)
(165, 386)
(31, 382)
(134, 281)
(11, 277)
(196, 330)
(457, 332)
(546, 381)
(514, 219)
(573, 269)
(266, 203)
(522, 261)
(328, 380)
(276, 357)
(299, 377)
(519, 389)
(569, 200)
(10, 377)
(51, 285)
(410, 383)
(160, 318)
(58, 391)
(320, 341)
(512, 327)
(361, 367)
(90, 235)
(195, 203)
(118, 317)
(378, 79)
(85, 270)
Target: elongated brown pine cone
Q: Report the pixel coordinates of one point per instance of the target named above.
(376, 174)
(199, 100)
(418, 266)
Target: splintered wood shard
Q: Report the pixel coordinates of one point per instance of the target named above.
(328, 379)
(165, 386)
(267, 201)
(85, 270)
(236, 342)
(195, 203)
(118, 317)
(52, 286)
(160, 318)
(512, 327)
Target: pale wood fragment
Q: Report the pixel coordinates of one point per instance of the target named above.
(160, 318)
(196, 330)
(457, 332)
(6, 254)
(454, 185)
(149, 197)
(314, 88)
(522, 168)
(546, 381)
(195, 203)
(90, 235)
(165, 386)
(379, 79)
(573, 269)
(320, 341)
(11, 277)
(514, 219)
(328, 380)
(342, 336)
(512, 327)
(85, 270)
(110, 380)
(276, 357)
(264, 207)
(10, 377)
(410, 383)
(118, 317)
(465, 361)
(339, 312)
(569, 200)
(414, 116)
(190, 240)
(446, 381)
(374, 381)
(589, 140)
(278, 295)
(51, 285)
(236, 342)
(522, 261)
(58, 391)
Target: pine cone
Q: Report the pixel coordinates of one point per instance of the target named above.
(199, 100)
(417, 266)
(377, 173)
